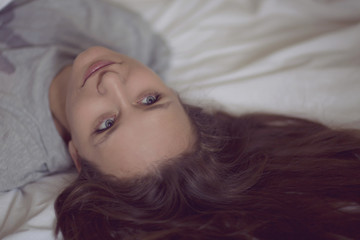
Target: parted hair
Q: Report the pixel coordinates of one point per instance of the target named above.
(255, 176)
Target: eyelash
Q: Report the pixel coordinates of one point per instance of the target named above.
(98, 130)
(156, 96)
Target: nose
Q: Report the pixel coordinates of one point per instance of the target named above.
(112, 84)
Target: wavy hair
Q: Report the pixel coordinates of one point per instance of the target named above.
(256, 176)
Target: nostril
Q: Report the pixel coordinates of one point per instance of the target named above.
(101, 90)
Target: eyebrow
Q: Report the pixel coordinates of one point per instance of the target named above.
(161, 106)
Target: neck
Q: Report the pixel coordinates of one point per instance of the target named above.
(57, 99)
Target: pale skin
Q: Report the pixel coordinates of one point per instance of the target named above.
(123, 118)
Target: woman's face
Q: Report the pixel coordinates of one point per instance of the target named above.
(120, 114)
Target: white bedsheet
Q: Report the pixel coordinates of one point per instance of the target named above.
(285, 56)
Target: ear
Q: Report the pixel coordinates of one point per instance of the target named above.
(74, 155)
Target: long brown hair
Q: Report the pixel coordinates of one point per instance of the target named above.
(257, 176)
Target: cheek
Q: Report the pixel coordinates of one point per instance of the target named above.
(79, 115)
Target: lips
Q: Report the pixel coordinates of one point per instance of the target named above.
(94, 68)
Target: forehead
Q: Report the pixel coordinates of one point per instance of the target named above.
(145, 139)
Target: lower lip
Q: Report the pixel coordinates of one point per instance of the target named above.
(94, 68)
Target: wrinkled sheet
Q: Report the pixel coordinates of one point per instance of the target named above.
(285, 56)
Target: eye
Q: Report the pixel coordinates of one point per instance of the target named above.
(150, 99)
(106, 124)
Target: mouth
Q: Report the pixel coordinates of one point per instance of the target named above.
(94, 68)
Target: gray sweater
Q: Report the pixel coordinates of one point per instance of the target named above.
(37, 39)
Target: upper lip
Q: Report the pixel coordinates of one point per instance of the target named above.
(94, 68)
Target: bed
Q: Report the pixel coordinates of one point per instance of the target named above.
(300, 58)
